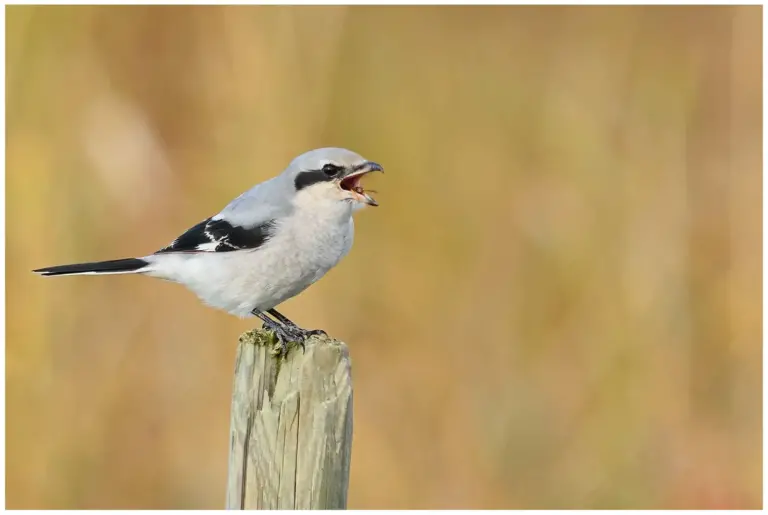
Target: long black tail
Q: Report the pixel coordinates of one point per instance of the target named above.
(116, 266)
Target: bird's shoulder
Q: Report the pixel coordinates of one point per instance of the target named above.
(247, 222)
(220, 235)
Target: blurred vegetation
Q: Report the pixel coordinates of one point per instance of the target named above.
(557, 305)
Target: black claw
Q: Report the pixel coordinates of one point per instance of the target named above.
(281, 340)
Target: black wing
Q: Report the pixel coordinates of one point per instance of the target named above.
(220, 236)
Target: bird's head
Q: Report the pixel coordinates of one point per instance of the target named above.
(332, 174)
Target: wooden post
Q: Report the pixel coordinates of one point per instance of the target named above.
(291, 425)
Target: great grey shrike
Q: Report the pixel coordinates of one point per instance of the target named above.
(267, 245)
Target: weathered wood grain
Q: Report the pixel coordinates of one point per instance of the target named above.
(291, 426)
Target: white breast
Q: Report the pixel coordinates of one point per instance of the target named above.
(305, 248)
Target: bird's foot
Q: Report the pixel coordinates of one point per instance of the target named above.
(286, 334)
(298, 335)
(280, 335)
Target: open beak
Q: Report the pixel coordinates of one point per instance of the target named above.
(351, 182)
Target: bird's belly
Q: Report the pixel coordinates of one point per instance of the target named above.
(241, 281)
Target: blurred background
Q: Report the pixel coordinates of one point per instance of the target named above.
(557, 305)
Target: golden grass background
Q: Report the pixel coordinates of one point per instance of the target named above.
(557, 305)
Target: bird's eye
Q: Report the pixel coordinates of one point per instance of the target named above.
(331, 170)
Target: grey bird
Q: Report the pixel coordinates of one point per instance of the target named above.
(267, 245)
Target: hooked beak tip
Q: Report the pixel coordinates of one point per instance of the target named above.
(375, 167)
(369, 166)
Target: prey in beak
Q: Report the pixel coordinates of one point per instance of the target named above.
(351, 182)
